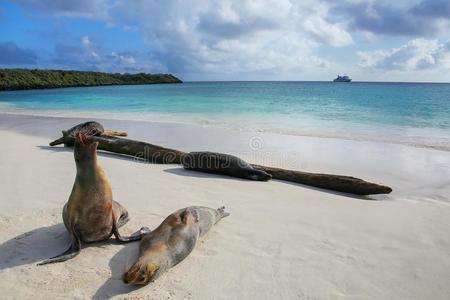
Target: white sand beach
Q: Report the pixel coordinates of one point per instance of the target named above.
(281, 241)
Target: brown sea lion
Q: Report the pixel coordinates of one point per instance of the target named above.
(171, 242)
(91, 214)
(223, 164)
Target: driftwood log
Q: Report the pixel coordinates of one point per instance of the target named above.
(161, 155)
(136, 149)
(340, 183)
(140, 150)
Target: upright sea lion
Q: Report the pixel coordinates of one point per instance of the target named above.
(171, 242)
(90, 128)
(224, 164)
(90, 214)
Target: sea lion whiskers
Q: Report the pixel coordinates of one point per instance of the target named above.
(81, 138)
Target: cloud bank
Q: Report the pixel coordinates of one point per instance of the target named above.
(265, 39)
(426, 18)
(417, 54)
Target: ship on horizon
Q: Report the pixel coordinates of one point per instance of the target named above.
(343, 78)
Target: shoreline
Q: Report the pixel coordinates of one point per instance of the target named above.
(278, 234)
(208, 124)
(400, 166)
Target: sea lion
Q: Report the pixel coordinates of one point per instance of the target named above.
(224, 164)
(90, 128)
(171, 242)
(91, 214)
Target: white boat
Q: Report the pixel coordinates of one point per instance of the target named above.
(344, 78)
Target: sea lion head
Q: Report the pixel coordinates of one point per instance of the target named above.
(85, 151)
(257, 175)
(140, 273)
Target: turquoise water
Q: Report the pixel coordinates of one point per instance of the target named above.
(409, 113)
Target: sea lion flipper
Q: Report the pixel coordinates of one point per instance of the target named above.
(66, 255)
(131, 238)
(71, 252)
(121, 213)
(127, 239)
(222, 213)
(186, 214)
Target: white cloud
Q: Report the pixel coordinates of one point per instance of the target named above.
(312, 18)
(125, 59)
(417, 54)
(89, 47)
(327, 33)
(85, 41)
(240, 37)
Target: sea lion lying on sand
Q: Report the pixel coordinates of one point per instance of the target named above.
(90, 128)
(91, 214)
(171, 242)
(223, 164)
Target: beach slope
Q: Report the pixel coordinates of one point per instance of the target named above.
(281, 241)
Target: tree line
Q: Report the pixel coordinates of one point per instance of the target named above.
(24, 79)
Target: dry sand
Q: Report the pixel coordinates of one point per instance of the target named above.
(282, 241)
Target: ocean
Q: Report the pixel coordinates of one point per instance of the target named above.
(416, 114)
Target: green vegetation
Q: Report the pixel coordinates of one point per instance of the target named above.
(24, 79)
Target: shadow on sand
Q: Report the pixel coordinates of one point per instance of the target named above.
(118, 264)
(180, 171)
(188, 173)
(357, 197)
(39, 244)
(34, 246)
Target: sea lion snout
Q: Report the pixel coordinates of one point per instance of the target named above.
(140, 274)
(81, 139)
(85, 148)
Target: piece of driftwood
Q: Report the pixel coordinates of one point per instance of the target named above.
(136, 149)
(340, 183)
(161, 155)
(139, 150)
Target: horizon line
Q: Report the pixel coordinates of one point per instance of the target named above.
(224, 80)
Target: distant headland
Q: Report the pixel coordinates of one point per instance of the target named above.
(25, 79)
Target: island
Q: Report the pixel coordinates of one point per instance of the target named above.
(24, 79)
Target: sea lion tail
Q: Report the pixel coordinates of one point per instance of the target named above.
(73, 251)
(222, 213)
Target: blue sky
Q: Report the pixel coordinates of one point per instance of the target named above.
(232, 40)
